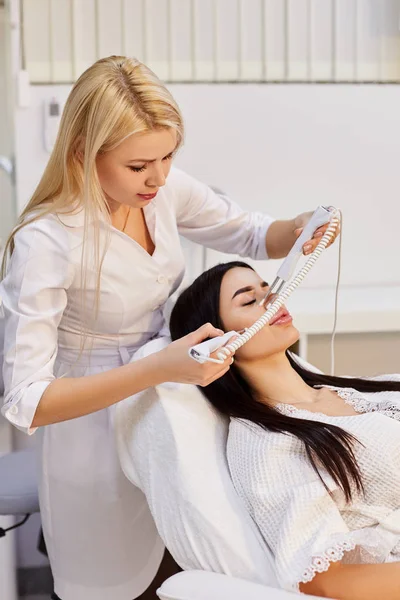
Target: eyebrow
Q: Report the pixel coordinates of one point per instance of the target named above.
(248, 288)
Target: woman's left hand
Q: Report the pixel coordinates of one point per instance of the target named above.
(309, 247)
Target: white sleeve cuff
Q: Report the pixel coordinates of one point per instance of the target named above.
(20, 409)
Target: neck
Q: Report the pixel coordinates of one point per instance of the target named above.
(118, 213)
(274, 381)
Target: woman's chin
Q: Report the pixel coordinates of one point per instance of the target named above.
(294, 332)
(290, 335)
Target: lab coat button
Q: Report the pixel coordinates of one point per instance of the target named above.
(161, 279)
(13, 410)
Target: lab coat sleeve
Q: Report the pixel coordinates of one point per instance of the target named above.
(215, 221)
(34, 297)
(298, 518)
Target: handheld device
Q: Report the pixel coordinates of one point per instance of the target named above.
(321, 216)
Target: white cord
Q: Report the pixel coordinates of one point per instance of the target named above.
(336, 298)
(283, 296)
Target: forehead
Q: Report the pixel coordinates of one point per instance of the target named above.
(150, 145)
(239, 277)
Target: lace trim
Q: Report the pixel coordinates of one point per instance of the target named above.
(362, 405)
(290, 410)
(321, 562)
(356, 399)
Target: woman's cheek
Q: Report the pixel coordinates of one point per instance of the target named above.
(256, 347)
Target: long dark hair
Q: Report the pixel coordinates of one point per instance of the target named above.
(325, 444)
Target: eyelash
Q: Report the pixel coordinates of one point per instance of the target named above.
(248, 303)
(141, 169)
(253, 301)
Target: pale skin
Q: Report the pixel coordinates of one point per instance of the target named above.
(140, 166)
(262, 361)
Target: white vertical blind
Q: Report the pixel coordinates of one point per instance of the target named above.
(182, 36)
(36, 35)
(109, 27)
(275, 39)
(368, 41)
(322, 57)
(217, 40)
(157, 36)
(228, 40)
(204, 51)
(345, 40)
(389, 37)
(133, 28)
(60, 40)
(84, 35)
(251, 43)
(298, 40)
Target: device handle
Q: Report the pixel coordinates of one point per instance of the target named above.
(201, 352)
(321, 216)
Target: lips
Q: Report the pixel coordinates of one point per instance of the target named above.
(281, 314)
(147, 196)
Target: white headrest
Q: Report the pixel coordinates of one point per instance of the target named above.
(172, 445)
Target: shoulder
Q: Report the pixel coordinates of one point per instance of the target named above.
(63, 230)
(41, 255)
(44, 244)
(44, 232)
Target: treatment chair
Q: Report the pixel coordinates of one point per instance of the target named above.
(172, 445)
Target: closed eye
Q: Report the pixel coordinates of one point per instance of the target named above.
(143, 167)
(248, 303)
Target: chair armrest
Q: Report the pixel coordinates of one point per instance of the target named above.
(204, 585)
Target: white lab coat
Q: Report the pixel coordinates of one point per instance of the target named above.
(99, 533)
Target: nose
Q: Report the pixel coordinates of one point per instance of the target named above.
(156, 177)
(267, 300)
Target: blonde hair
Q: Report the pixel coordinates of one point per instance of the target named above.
(113, 99)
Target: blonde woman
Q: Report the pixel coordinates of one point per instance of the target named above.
(91, 262)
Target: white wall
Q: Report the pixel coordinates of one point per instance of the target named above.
(283, 150)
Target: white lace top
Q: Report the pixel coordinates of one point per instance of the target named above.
(306, 527)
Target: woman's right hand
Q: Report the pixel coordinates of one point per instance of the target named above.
(179, 367)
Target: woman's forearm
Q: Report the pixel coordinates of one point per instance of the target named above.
(356, 582)
(68, 398)
(280, 238)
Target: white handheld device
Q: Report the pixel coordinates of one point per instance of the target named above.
(321, 216)
(201, 352)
